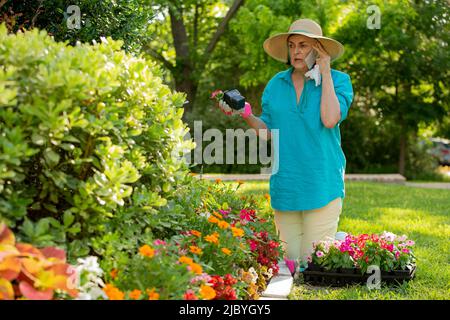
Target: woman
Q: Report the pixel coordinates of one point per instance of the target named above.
(308, 188)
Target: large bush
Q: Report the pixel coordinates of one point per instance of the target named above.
(87, 136)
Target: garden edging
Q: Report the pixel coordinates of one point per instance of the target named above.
(280, 285)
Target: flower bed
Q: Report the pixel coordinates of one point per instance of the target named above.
(352, 260)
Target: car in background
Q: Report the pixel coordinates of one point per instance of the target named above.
(440, 149)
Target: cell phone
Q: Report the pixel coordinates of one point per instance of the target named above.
(310, 59)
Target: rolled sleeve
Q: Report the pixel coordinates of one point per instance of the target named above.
(265, 105)
(344, 92)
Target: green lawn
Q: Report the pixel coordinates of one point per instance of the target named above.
(422, 214)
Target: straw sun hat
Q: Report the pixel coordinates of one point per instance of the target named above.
(277, 47)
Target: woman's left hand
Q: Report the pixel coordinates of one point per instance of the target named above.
(323, 59)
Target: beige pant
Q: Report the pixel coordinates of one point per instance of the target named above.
(299, 229)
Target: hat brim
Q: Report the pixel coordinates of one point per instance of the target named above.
(276, 46)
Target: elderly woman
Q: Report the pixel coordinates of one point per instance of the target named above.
(306, 104)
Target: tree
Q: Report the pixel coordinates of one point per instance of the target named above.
(126, 20)
(403, 66)
(195, 31)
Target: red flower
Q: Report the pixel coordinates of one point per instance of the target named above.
(190, 295)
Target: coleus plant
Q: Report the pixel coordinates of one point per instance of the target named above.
(30, 273)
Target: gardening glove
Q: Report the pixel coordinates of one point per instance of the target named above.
(226, 109)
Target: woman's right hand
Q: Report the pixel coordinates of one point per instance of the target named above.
(225, 108)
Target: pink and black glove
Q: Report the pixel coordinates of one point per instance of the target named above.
(226, 109)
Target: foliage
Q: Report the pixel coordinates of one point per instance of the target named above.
(90, 134)
(121, 20)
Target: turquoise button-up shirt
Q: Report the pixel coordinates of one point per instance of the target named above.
(309, 164)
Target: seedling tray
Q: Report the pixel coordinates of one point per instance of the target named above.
(342, 277)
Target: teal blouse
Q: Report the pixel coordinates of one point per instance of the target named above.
(308, 161)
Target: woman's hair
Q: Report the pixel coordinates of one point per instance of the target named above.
(288, 55)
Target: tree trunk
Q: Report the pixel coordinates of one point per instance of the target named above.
(403, 148)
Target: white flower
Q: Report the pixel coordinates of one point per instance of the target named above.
(254, 274)
(389, 236)
(205, 214)
(269, 273)
(92, 294)
(89, 270)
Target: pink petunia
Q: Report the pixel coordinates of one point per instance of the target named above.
(319, 254)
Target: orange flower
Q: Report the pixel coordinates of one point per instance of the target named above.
(207, 293)
(213, 219)
(218, 215)
(223, 224)
(152, 294)
(237, 232)
(218, 180)
(240, 182)
(213, 238)
(196, 268)
(195, 250)
(267, 196)
(147, 251)
(113, 293)
(226, 251)
(135, 294)
(186, 260)
(114, 273)
(196, 233)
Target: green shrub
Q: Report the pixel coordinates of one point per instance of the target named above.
(87, 136)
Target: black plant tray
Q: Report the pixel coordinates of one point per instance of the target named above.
(341, 277)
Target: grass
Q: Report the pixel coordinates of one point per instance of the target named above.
(422, 214)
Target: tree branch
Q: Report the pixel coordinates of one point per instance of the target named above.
(221, 29)
(158, 56)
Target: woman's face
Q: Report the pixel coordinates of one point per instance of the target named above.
(299, 47)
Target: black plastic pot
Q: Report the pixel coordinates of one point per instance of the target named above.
(328, 278)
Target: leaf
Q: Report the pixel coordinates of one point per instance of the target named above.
(68, 218)
(37, 139)
(28, 228)
(41, 227)
(51, 157)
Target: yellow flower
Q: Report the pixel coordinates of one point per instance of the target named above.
(195, 250)
(207, 293)
(113, 293)
(135, 294)
(213, 219)
(213, 238)
(147, 251)
(196, 268)
(226, 251)
(196, 233)
(152, 295)
(223, 224)
(240, 182)
(237, 232)
(186, 260)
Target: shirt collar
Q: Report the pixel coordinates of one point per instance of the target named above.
(286, 75)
